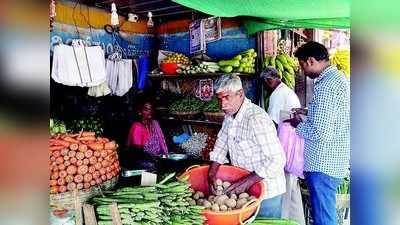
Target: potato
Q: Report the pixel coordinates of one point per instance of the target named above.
(223, 208)
(220, 188)
(207, 204)
(218, 182)
(201, 194)
(234, 196)
(241, 203)
(231, 203)
(192, 202)
(226, 184)
(211, 198)
(221, 199)
(215, 207)
(218, 193)
(229, 209)
(200, 202)
(244, 195)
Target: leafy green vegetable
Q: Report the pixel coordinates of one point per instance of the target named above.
(186, 104)
(212, 106)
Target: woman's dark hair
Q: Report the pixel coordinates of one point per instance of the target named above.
(312, 49)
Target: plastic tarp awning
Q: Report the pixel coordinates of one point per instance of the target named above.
(278, 14)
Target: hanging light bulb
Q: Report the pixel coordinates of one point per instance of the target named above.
(150, 22)
(114, 15)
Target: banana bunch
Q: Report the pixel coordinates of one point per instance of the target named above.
(341, 59)
(285, 65)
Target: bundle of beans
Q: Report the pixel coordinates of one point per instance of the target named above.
(80, 161)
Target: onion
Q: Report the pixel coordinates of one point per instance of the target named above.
(78, 178)
(62, 189)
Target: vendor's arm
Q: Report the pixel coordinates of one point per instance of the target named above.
(319, 124)
(243, 184)
(218, 155)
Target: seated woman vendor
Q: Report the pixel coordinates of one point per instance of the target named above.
(146, 133)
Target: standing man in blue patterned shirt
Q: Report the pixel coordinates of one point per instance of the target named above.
(326, 131)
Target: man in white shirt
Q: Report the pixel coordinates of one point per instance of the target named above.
(249, 136)
(284, 99)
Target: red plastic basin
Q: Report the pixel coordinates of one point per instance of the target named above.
(169, 68)
(198, 179)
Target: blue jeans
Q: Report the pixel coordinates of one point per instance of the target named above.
(323, 197)
(271, 208)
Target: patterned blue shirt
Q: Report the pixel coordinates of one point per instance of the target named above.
(326, 130)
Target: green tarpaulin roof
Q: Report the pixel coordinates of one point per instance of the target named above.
(278, 14)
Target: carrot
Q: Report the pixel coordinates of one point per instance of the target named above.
(97, 166)
(109, 176)
(80, 155)
(71, 186)
(79, 186)
(61, 142)
(83, 169)
(105, 163)
(54, 176)
(62, 189)
(70, 139)
(59, 160)
(60, 181)
(79, 162)
(71, 153)
(78, 178)
(61, 167)
(109, 145)
(87, 177)
(96, 153)
(53, 182)
(91, 169)
(69, 178)
(86, 185)
(82, 148)
(93, 160)
(96, 146)
(63, 174)
(73, 160)
(74, 146)
(56, 147)
(87, 138)
(102, 171)
(67, 163)
(96, 174)
(103, 153)
(64, 151)
(71, 170)
(56, 153)
(88, 154)
(88, 134)
(86, 162)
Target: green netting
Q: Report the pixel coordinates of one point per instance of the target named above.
(278, 14)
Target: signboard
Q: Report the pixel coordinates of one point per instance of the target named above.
(196, 37)
(212, 29)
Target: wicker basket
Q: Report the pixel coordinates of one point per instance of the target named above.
(66, 200)
(214, 117)
(184, 115)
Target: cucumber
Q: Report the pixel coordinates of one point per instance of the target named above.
(232, 62)
(226, 69)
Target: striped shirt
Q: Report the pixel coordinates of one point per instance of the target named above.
(252, 143)
(327, 128)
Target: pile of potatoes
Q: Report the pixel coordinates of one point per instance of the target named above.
(221, 202)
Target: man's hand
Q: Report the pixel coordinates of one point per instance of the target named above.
(212, 172)
(243, 184)
(294, 122)
(302, 111)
